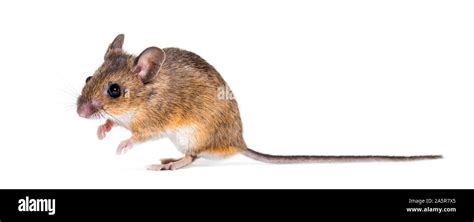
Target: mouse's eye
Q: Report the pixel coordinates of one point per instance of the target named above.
(114, 90)
(88, 78)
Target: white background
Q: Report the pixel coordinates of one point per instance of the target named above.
(329, 77)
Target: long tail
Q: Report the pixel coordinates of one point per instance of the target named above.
(327, 159)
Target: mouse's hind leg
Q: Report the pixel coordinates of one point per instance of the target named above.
(168, 164)
(169, 160)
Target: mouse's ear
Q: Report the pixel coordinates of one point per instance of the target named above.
(116, 44)
(148, 63)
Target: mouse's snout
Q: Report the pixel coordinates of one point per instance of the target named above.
(86, 108)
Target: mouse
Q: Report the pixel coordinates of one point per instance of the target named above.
(174, 93)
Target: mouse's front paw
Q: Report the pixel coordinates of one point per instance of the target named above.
(104, 129)
(124, 146)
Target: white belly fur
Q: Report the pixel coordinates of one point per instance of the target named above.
(183, 138)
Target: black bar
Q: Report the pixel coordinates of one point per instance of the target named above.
(248, 205)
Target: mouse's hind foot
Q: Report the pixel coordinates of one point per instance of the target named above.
(172, 164)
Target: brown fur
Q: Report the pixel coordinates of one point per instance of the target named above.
(183, 93)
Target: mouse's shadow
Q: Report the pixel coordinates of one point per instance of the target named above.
(204, 163)
(221, 163)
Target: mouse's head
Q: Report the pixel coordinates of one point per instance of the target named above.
(116, 85)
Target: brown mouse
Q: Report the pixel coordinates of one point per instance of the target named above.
(175, 93)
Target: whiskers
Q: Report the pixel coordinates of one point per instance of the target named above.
(70, 92)
(97, 116)
(68, 98)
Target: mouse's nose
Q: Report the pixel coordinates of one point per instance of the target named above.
(87, 109)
